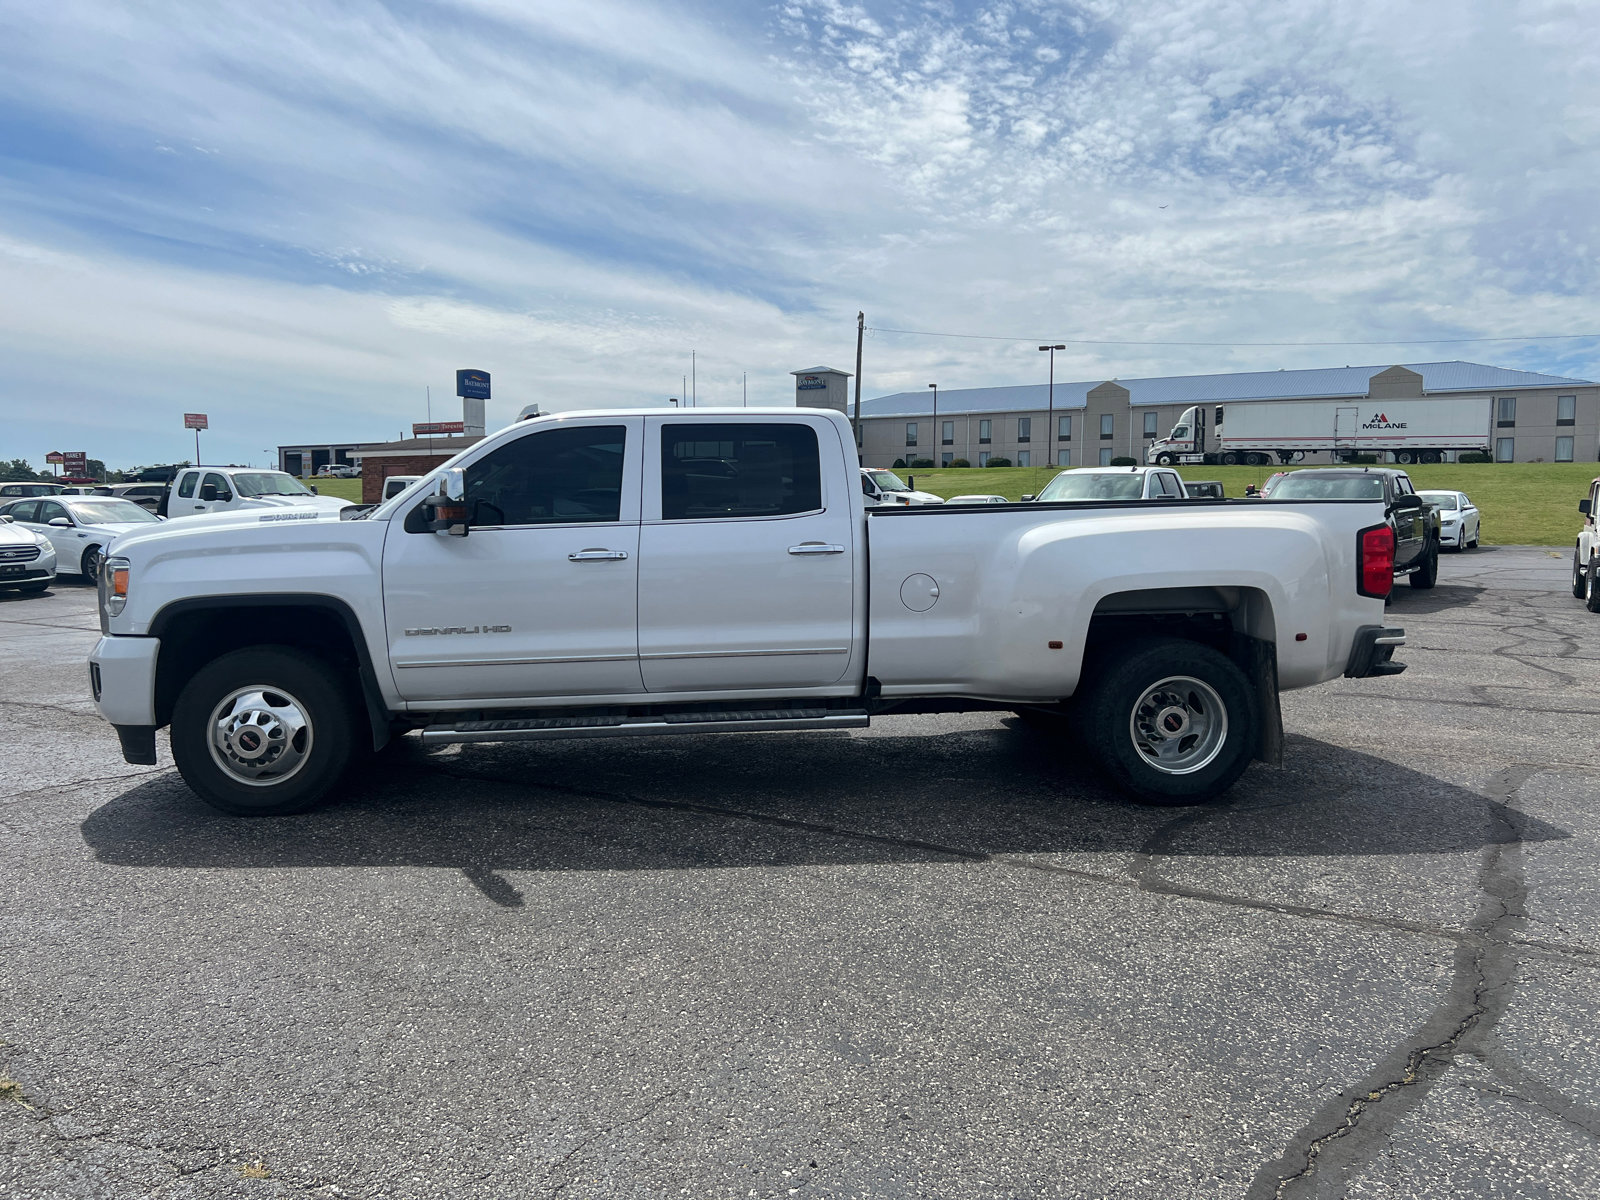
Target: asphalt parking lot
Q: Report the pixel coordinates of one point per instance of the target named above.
(935, 958)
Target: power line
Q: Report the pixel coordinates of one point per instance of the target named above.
(990, 337)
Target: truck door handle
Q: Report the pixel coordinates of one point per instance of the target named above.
(815, 548)
(598, 554)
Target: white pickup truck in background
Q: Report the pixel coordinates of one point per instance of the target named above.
(198, 491)
(629, 573)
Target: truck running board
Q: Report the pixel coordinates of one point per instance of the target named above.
(539, 729)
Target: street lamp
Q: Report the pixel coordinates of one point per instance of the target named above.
(935, 388)
(1050, 410)
(672, 400)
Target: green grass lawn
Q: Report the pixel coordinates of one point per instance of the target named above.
(344, 489)
(1523, 504)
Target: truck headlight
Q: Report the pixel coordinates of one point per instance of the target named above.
(114, 577)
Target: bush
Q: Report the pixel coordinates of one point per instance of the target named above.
(999, 460)
(899, 464)
(1122, 460)
(1470, 456)
(959, 462)
(917, 464)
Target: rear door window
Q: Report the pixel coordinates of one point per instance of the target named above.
(739, 469)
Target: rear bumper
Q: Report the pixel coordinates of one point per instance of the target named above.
(122, 676)
(1373, 652)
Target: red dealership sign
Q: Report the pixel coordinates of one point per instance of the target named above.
(195, 421)
(423, 428)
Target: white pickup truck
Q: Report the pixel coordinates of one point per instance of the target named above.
(202, 491)
(625, 573)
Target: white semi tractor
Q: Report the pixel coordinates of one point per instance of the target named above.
(1257, 432)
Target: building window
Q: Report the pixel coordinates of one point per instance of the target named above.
(1022, 458)
(1504, 450)
(1105, 456)
(1063, 429)
(947, 433)
(1563, 449)
(1566, 411)
(1063, 458)
(1506, 412)
(945, 458)
(983, 455)
(911, 433)
(1150, 430)
(983, 432)
(1108, 426)
(1024, 429)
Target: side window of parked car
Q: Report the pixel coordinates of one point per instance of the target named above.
(28, 510)
(186, 487)
(739, 470)
(49, 510)
(555, 477)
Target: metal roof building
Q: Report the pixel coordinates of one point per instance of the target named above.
(1536, 417)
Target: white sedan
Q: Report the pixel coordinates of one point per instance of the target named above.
(984, 498)
(27, 559)
(1458, 519)
(80, 527)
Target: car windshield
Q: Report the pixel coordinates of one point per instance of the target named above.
(269, 483)
(110, 512)
(888, 481)
(1444, 500)
(1086, 485)
(1303, 485)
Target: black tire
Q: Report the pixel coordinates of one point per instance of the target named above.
(1404, 457)
(1230, 459)
(1591, 589)
(89, 564)
(1579, 583)
(1425, 576)
(1166, 460)
(298, 695)
(1121, 693)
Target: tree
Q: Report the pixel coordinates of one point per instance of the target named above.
(97, 469)
(18, 471)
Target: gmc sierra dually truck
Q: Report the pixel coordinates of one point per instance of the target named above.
(628, 573)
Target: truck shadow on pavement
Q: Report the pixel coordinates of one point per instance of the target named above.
(1005, 791)
(1406, 601)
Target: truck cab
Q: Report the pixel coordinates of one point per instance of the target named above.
(881, 487)
(203, 491)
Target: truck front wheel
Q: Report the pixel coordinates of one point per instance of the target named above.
(262, 731)
(1173, 721)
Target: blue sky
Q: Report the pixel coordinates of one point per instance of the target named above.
(297, 217)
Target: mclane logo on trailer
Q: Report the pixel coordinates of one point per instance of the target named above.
(1380, 421)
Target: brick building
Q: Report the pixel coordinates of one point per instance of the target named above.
(413, 456)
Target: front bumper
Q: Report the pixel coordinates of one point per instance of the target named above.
(1373, 652)
(122, 676)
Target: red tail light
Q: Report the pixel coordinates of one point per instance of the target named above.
(1375, 561)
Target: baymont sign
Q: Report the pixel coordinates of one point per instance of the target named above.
(1380, 421)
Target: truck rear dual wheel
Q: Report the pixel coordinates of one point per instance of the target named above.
(1173, 721)
(263, 731)
(1591, 587)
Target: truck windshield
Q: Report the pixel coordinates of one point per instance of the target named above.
(1085, 485)
(269, 483)
(888, 481)
(1304, 486)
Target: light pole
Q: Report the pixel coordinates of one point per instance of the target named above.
(1050, 409)
(672, 400)
(935, 388)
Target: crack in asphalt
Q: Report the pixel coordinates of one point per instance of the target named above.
(1358, 1121)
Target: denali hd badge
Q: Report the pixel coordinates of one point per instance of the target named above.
(442, 630)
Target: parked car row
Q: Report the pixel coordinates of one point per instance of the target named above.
(77, 528)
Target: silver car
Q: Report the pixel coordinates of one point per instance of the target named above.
(1458, 519)
(27, 559)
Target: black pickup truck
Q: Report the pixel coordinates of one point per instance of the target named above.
(1414, 520)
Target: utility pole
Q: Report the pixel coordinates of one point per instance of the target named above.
(744, 399)
(936, 438)
(1050, 409)
(694, 378)
(861, 323)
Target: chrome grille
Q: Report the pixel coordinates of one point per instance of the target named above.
(24, 554)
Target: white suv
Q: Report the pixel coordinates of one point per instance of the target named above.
(202, 490)
(1586, 555)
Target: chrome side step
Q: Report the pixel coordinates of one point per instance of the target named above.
(540, 729)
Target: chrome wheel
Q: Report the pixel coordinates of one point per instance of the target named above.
(1179, 725)
(259, 736)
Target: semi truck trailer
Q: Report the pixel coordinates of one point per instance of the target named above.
(1258, 432)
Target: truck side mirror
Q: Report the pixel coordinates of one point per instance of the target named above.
(208, 492)
(1408, 502)
(1583, 506)
(449, 507)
